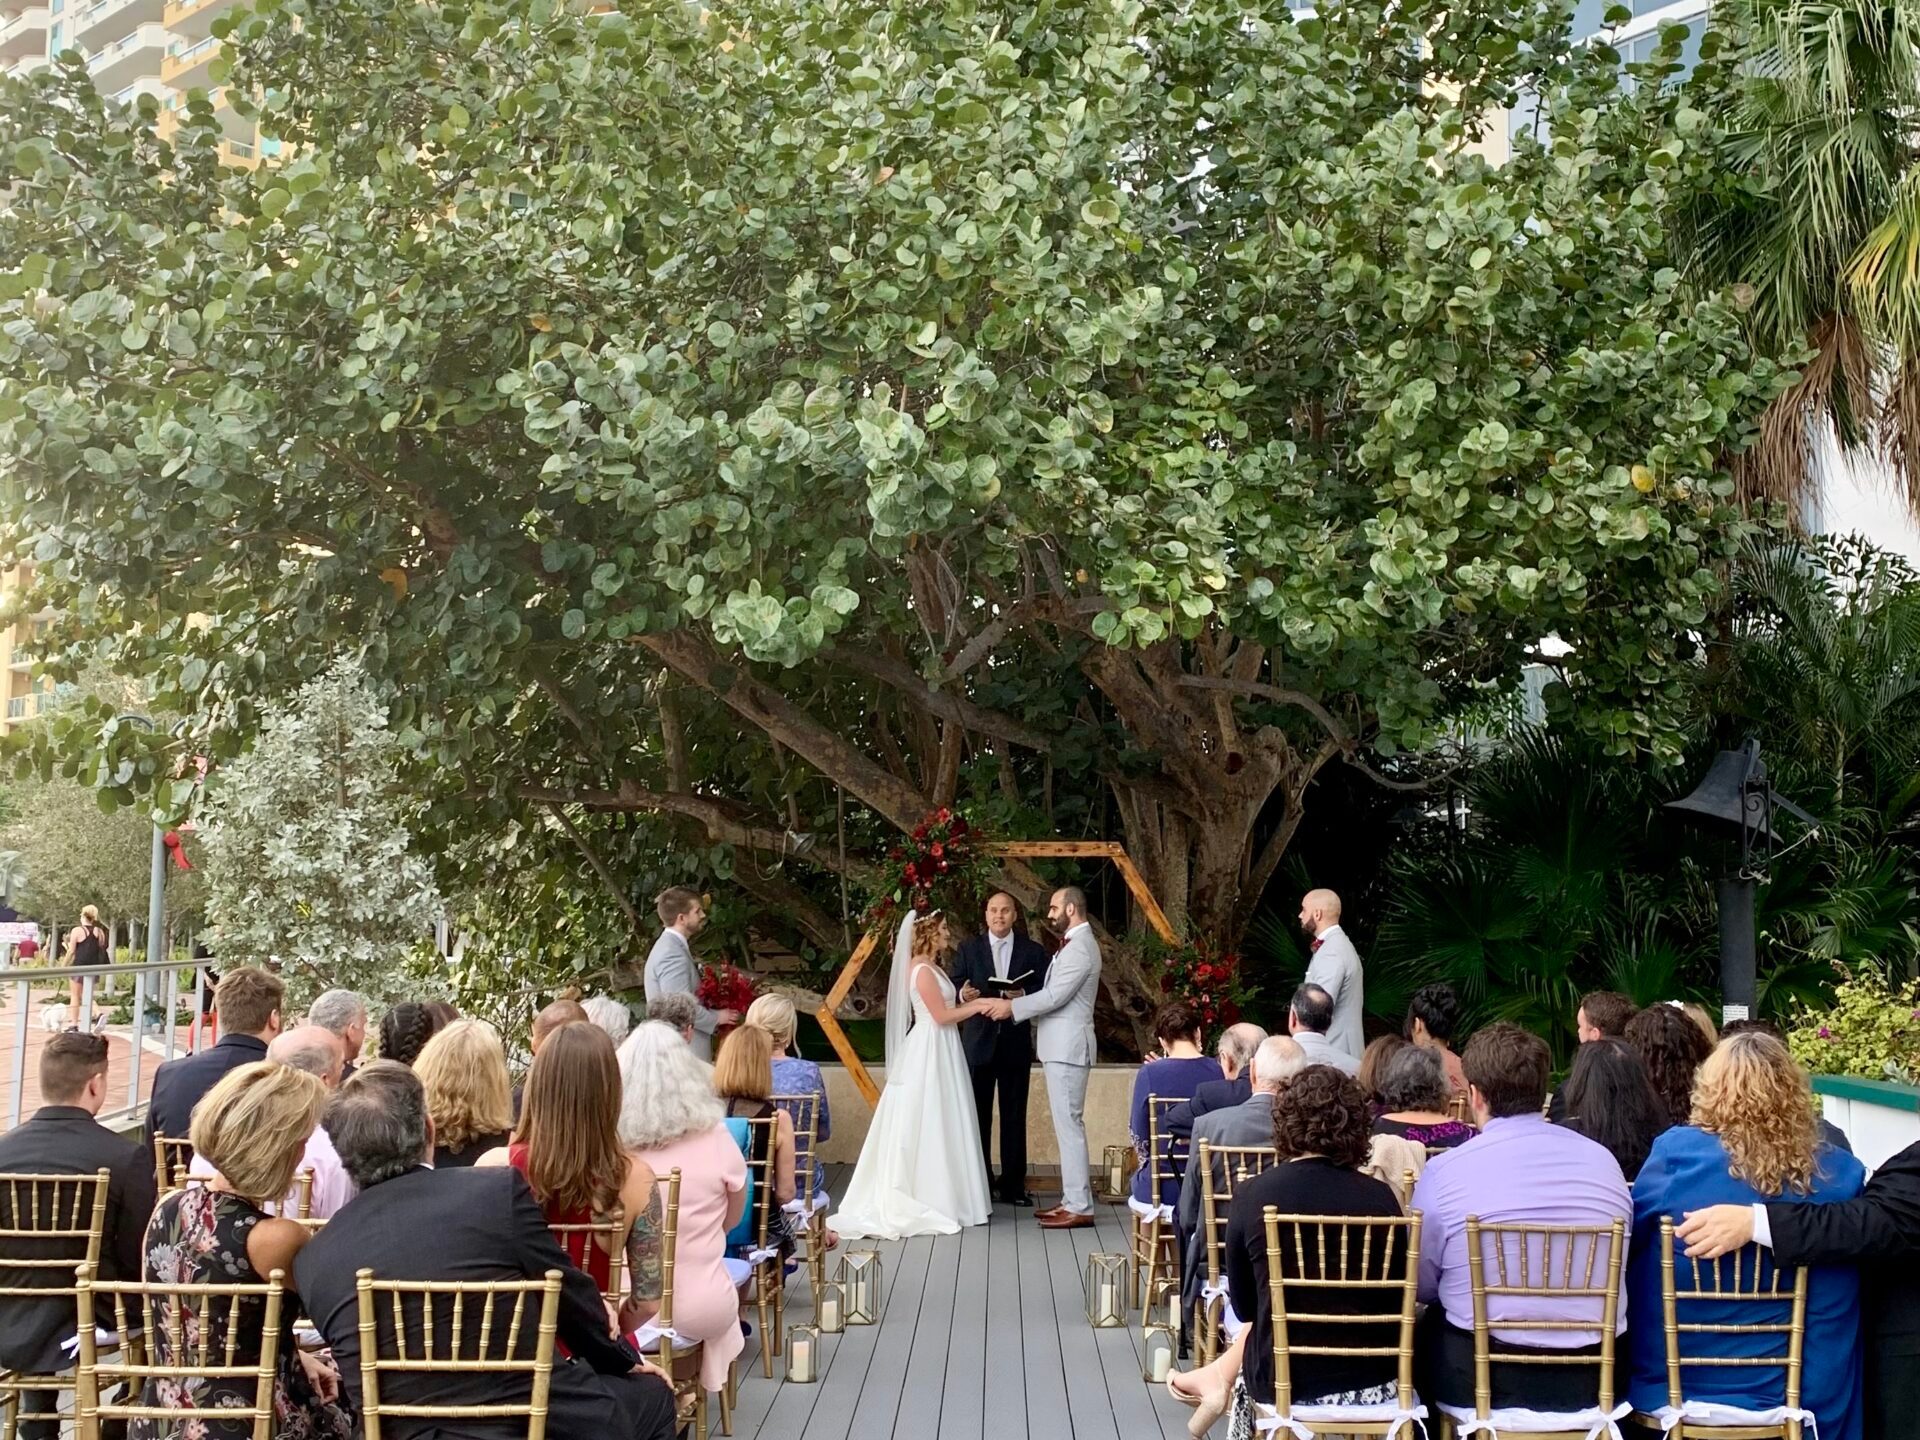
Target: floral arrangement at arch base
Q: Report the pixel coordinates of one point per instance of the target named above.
(1210, 980)
(939, 866)
(725, 987)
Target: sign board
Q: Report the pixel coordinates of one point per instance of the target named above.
(14, 931)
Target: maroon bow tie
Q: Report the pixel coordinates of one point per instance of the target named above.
(1314, 948)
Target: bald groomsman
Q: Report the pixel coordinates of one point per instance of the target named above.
(1335, 968)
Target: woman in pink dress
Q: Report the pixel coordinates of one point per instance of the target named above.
(671, 1119)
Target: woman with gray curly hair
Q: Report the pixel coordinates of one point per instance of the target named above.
(671, 1119)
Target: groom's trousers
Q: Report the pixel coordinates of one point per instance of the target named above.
(1067, 1094)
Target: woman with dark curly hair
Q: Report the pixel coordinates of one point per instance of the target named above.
(1673, 1048)
(1322, 1128)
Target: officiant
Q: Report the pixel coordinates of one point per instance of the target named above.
(1003, 963)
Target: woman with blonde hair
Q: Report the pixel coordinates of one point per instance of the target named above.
(88, 945)
(567, 1144)
(1753, 1138)
(671, 1120)
(253, 1128)
(469, 1097)
(743, 1079)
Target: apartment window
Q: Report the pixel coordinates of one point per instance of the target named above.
(54, 37)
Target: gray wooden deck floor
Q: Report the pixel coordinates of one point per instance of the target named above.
(982, 1336)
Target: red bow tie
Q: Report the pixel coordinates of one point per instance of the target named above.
(1315, 947)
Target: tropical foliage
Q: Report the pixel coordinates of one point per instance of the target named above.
(1867, 1029)
(718, 428)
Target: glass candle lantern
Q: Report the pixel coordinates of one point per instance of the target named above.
(1164, 1308)
(860, 1280)
(1114, 1170)
(1106, 1290)
(831, 1311)
(1161, 1345)
(803, 1354)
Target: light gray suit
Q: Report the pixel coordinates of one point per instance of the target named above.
(1322, 1051)
(1335, 967)
(1062, 1012)
(671, 971)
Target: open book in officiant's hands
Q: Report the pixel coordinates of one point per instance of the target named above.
(1011, 988)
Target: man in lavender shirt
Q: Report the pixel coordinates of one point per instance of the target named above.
(1520, 1170)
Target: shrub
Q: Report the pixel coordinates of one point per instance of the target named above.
(1870, 1029)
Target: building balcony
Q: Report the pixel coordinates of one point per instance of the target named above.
(24, 35)
(193, 19)
(146, 85)
(131, 57)
(104, 19)
(189, 66)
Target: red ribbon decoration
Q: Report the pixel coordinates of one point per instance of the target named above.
(176, 843)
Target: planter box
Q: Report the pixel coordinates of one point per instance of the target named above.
(1880, 1118)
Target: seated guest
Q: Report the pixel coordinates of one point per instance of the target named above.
(567, 1144)
(412, 1222)
(792, 1075)
(1373, 1067)
(610, 1015)
(1414, 1095)
(1432, 1018)
(1308, 1020)
(464, 1070)
(1180, 1069)
(1878, 1230)
(743, 1079)
(1609, 1097)
(63, 1138)
(406, 1028)
(1321, 1125)
(1234, 1051)
(1519, 1171)
(317, 1052)
(1830, 1133)
(671, 1119)
(1672, 1047)
(252, 1128)
(1600, 1015)
(342, 1014)
(1752, 1140)
(553, 1017)
(1700, 1016)
(678, 1011)
(248, 1004)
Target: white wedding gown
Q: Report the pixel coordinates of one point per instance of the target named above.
(920, 1171)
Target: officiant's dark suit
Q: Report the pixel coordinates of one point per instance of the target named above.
(1000, 1052)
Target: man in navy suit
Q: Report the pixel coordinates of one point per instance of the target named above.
(1000, 1052)
(1235, 1051)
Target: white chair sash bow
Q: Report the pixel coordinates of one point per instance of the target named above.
(1595, 1421)
(1306, 1422)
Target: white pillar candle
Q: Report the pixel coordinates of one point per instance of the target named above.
(830, 1313)
(800, 1359)
(1162, 1365)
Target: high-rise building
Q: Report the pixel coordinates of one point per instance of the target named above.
(24, 693)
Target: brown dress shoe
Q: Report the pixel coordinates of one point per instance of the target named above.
(1047, 1214)
(1064, 1219)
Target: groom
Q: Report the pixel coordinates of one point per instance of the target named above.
(1006, 963)
(1062, 1010)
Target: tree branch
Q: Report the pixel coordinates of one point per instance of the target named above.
(947, 705)
(599, 866)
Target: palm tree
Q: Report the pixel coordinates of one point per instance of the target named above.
(1817, 227)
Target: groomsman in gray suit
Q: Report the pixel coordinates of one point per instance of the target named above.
(1335, 968)
(671, 969)
(1062, 1012)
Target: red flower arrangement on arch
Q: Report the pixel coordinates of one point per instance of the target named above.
(938, 866)
(1208, 979)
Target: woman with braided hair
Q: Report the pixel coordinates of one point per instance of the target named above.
(406, 1028)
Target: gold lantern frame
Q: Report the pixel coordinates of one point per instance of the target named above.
(1007, 850)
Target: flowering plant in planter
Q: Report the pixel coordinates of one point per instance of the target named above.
(1870, 1030)
(1211, 981)
(725, 987)
(939, 866)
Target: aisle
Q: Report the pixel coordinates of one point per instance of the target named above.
(982, 1337)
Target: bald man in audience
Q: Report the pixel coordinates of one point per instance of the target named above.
(316, 1050)
(559, 1013)
(1335, 968)
(1235, 1053)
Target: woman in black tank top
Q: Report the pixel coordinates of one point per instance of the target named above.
(87, 944)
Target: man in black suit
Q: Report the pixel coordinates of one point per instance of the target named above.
(1878, 1230)
(1235, 1053)
(63, 1138)
(411, 1222)
(1000, 1052)
(248, 1004)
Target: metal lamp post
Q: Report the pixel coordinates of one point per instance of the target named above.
(156, 871)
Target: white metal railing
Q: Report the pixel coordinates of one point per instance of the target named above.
(30, 19)
(140, 39)
(184, 54)
(96, 12)
(159, 988)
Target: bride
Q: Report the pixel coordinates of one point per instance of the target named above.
(920, 1171)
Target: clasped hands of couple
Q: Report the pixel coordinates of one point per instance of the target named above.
(987, 1005)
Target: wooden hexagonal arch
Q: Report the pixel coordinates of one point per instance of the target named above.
(1009, 849)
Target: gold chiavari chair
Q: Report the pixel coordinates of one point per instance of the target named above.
(1746, 1277)
(1554, 1262)
(1223, 1170)
(299, 1199)
(766, 1285)
(804, 1112)
(1460, 1107)
(488, 1324)
(171, 1158)
(679, 1359)
(193, 1332)
(606, 1236)
(50, 1232)
(1349, 1254)
(1155, 1245)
